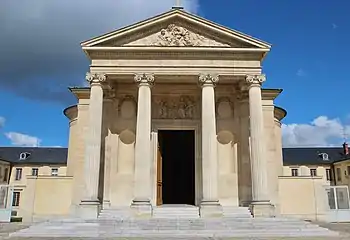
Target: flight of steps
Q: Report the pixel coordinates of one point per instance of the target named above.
(174, 221)
(170, 228)
(115, 213)
(176, 211)
(237, 212)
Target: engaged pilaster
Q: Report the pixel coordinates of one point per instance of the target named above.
(142, 188)
(261, 203)
(90, 205)
(210, 205)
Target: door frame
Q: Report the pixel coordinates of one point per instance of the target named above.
(175, 124)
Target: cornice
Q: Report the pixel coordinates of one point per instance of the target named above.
(80, 92)
(71, 112)
(175, 53)
(279, 113)
(270, 93)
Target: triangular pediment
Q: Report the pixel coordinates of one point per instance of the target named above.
(176, 28)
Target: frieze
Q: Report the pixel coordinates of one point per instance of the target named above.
(175, 107)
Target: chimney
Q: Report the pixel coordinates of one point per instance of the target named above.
(346, 148)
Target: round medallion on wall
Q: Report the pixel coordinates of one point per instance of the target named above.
(128, 109)
(224, 108)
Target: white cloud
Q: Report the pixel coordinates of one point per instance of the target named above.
(301, 72)
(23, 140)
(334, 26)
(2, 122)
(322, 131)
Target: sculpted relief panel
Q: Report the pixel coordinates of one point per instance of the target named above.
(175, 107)
(177, 36)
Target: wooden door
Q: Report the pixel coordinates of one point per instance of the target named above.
(159, 178)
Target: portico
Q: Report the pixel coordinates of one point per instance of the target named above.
(175, 72)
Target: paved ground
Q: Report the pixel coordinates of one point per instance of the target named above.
(6, 228)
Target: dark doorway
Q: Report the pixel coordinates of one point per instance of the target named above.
(177, 148)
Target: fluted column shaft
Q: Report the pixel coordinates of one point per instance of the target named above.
(258, 144)
(93, 138)
(209, 139)
(142, 187)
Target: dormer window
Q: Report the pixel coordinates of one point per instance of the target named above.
(24, 155)
(324, 156)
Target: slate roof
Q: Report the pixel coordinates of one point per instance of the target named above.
(311, 156)
(291, 156)
(37, 155)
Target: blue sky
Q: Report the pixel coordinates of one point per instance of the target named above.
(42, 58)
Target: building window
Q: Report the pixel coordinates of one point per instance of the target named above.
(328, 175)
(324, 156)
(6, 173)
(313, 172)
(35, 172)
(24, 155)
(295, 172)
(18, 174)
(54, 172)
(15, 199)
(338, 174)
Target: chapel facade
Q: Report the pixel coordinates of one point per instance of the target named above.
(175, 114)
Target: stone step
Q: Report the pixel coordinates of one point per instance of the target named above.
(237, 212)
(153, 227)
(176, 211)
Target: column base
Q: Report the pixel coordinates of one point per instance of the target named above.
(106, 204)
(262, 209)
(89, 209)
(210, 209)
(141, 208)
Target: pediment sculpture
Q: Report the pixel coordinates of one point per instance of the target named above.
(177, 36)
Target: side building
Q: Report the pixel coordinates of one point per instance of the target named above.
(38, 177)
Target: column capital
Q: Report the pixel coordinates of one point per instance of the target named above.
(146, 79)
(255, 80)
(207, 79)
(96, 78)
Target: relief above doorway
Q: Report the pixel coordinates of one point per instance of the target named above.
(175, 107)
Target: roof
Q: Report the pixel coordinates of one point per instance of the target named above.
(311, 156)
(291, 156)
(37, 155)
(178, 14)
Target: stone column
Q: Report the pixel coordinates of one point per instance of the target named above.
(244, 175)
(260, 205)
(142, 187)
(90, 205)
(210, 205)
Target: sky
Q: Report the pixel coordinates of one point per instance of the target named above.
(41, 56)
